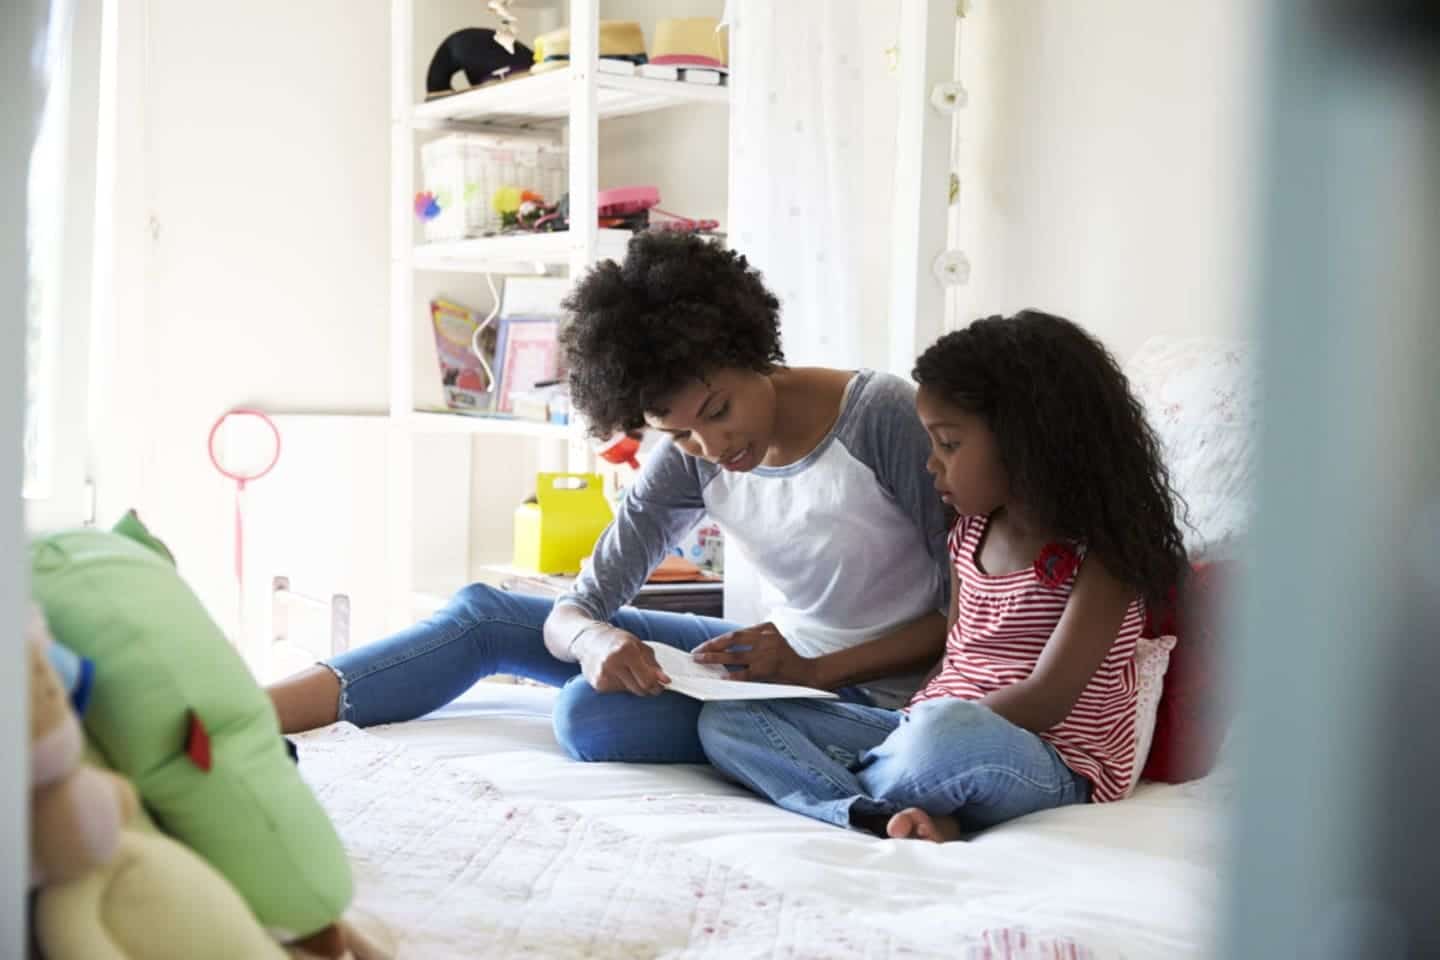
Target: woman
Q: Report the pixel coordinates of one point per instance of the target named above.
(816, 475)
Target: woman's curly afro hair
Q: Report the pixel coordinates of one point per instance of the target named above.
(1073, 439)
(679, 308)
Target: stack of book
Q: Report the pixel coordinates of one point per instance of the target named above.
(704, 596)
(508, 366)
(548, 402)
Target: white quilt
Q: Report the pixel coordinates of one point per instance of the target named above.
(473, 835)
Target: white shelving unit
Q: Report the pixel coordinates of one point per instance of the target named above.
(438, 421)
(518, 253)
(542, 101)
(569, 101)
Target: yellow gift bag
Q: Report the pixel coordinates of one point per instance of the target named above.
(554, 534)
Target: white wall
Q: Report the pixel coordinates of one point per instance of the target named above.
(265, 160)
(1106, 160)
(253, 170)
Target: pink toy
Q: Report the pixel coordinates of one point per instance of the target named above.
(624, 207)
(620, 201)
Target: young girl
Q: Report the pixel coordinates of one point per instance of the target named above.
(1067, 526)
(817, 475)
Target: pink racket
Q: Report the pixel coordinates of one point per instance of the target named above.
(244, 446)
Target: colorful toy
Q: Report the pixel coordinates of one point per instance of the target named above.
(506, 200)
(520, 209)
(619, 208)
(426, 206)
(176, 711)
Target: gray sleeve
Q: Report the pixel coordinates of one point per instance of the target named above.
(886, 435)
(662, 504)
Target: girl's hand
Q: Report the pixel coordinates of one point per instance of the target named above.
(615, 661)
(761, 652)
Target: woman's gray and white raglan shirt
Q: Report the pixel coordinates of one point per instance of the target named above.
(852, 536)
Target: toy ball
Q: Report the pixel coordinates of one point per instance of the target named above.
(426, 206)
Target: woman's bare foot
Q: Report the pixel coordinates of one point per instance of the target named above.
(306, 700)
(915, 824)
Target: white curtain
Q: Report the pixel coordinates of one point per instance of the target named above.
(796, 165)
(796, 157)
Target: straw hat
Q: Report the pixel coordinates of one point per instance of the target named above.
(691, 42)
(619, 40)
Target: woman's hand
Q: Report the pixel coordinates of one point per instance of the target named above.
(761, 652)
(615, 661)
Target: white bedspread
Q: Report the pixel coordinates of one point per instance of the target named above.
(1135, 879)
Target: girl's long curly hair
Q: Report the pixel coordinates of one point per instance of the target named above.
(1074, 440)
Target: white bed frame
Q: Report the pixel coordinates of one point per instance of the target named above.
(290, 607)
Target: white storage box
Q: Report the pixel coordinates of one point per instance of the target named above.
(464, 170)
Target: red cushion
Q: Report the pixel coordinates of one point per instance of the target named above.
(1194, 705)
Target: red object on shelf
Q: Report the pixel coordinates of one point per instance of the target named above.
(620, 449)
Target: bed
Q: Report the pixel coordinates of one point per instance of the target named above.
(472, 834)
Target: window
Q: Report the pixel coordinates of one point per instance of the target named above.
(60, 243)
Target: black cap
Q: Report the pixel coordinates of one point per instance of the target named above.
(474, 51)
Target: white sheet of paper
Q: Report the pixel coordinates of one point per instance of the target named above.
(706, 681)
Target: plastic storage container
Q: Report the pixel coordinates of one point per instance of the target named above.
(464, 170)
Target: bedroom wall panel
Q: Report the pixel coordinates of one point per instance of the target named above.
(1106, 157)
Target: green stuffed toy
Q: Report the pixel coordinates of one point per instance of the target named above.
(176, 711)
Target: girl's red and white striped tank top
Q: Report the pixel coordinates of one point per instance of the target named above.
(1002, 624)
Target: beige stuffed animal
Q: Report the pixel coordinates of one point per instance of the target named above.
(75, 810)
(155, 900)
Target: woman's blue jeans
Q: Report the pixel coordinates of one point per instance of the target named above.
(484, 631)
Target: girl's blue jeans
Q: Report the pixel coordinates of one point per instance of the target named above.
(845, 763)
(484, 631)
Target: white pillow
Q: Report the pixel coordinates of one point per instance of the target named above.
(1200, 397)
(1152, 659)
